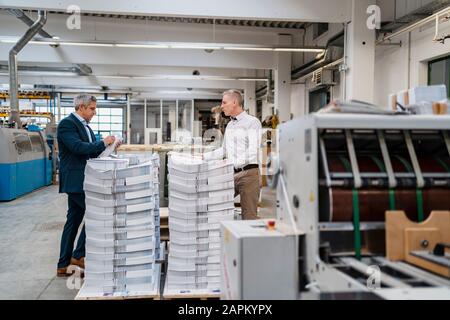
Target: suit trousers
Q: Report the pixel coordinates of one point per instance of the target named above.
(75, 215)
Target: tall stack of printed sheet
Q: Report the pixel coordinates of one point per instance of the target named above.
(155, 178)
(201, 195)
(120, 217)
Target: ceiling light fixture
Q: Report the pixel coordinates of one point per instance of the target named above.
(178, 77)
(172, 45)
(146, 46)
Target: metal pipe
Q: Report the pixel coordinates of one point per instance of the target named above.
(328, 66)
(269, 86)
(18, 13)
(82, 69)
(415, 25)
(128, 120)
(344, 70)
(436, 33)
(40, 69)
(13, 79)
(409, 60)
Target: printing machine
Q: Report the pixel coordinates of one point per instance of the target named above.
(25, 162)
(341, 179)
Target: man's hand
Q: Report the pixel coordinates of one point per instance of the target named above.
(118, 145)
(109, 140)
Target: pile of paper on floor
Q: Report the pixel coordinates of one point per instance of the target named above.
(201, 195)
(120, 223)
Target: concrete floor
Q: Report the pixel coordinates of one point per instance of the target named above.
(267, 205)
(30, 233)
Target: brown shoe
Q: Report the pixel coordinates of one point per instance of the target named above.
(62, 272)
(68, 271)
(77, 262)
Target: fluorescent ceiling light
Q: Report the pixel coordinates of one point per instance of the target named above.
(149, 46)
(170, 45)
(194, 46)
(137, 77)
(86, 44)
(51, 43)
(113, 77)
(190, 92)
(177, 77)
(249, 48)
(44, 73)
(252, 79)
(8, 41)
(299, 50)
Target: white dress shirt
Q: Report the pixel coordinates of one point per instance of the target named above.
(85, 124)
(241, 142)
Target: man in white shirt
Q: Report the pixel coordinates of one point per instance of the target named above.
(241, 145)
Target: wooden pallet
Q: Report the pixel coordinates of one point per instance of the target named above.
(88, 294)
(197, 294)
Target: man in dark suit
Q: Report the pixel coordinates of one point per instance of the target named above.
(77, 144)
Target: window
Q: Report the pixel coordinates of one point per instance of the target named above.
(108, 121)
(137, 121)
(153, 113)
(65, 111)
(259, 109)
(318, 99)
(439, 73)
(169, 120)
(184, 114)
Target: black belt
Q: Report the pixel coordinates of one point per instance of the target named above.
(247, 167)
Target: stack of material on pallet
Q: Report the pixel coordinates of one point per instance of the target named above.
(155, 178)
(120, 224)
(201, 195)
(162, 150)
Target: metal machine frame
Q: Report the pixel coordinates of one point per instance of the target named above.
(300, 148)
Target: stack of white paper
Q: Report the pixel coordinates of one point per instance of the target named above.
(154, 159)
(121, 238)
(201, 195)
(427, 93)
(156, 164)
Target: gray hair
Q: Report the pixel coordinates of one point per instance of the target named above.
(236, 94)
(83, 99)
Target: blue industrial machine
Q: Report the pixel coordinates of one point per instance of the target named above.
(25, 162)
(33, 128)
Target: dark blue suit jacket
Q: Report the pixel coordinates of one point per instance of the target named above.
(74, 150)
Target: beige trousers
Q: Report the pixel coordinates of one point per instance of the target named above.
(247, 185)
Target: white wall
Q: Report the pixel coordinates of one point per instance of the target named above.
(391, 64)
(298, 100)
(266, 109)
(299, 59)
(299, 92)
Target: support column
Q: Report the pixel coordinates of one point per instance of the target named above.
(128, 119)
(360, 48)
(250, 97)
(283, 80)
(266, 109)
(58, 106)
